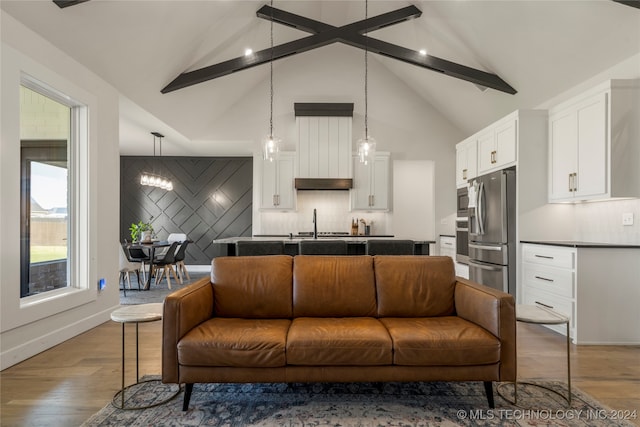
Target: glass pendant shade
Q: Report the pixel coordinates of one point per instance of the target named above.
(271, 148)
(366, 150)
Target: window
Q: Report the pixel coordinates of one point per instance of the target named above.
(47, 229)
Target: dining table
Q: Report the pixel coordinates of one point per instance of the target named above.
(150, 248)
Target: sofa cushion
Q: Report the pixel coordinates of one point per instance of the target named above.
(441, 341)
(357, 341)
(333, 286)
(235, 342)
(256, 287)
(414, 286)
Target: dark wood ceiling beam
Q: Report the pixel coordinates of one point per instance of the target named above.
(632, 3)
(66, 3)
(351, 34)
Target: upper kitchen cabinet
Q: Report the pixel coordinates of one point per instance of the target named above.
(277, 182)
(371, 184)
(324, 140)
(497, 145)
(594, 146)
(519, 138)
(466, 161)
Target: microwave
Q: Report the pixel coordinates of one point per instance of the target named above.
(462, 203)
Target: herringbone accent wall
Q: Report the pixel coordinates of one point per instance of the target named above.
(211, 199)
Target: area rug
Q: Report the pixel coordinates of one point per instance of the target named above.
(356, 405)
(157, 293)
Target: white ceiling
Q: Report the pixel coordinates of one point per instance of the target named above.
(541, 48)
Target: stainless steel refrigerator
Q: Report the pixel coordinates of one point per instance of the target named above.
(492, 230)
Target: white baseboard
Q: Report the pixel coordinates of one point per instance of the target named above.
(199, 268)
(29, 349)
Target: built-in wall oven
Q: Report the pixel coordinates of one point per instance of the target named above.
(462, 226)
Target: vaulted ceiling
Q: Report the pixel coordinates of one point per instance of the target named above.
(541, 48)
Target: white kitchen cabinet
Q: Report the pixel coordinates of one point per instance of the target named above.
(466, 161)
(497, 145)
(594, 285)
(324, 147)
(278, 182)
(594, 147)
(371, 184)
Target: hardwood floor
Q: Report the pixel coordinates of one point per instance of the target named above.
(65, 385)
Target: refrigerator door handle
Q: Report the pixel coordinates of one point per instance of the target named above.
(486, 247)
(481, 214)
(483, 266)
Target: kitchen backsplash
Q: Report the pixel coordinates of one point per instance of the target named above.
(333, 213)
(602, 222)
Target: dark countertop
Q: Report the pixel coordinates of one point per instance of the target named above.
(447, 235)
(577, 244)
(287, 240)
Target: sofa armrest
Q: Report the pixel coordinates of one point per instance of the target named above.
(494, 310)
(183, 310)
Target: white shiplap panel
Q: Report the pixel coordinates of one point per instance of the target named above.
(334, 147)
(324, 159)
(344, 158)
(303, 146)
(313, 147)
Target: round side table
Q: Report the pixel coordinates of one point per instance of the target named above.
(137, 314)
(541, 315)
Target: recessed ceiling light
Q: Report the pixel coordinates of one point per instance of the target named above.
(248, 52)
(423, 52)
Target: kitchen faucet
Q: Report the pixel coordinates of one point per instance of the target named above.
(315, 224)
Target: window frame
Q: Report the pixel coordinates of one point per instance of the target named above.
(79, 287)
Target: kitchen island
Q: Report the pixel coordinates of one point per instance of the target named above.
(356, 245)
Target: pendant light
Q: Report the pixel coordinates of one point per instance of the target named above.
(366, 145)
(151, 179)
(271, 144)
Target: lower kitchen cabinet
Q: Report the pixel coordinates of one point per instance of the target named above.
(596, 286)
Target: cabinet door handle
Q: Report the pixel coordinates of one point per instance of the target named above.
(464, 174)
(543, 256)
(543, 278)
(570, 182)
(273, 200)
(373, 200)
(575, 181)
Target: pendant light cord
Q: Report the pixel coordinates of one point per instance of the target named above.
(271, 77)
(366, 75)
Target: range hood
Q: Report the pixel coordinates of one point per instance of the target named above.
(323, 183)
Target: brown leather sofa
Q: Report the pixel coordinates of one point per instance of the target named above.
(337, 319)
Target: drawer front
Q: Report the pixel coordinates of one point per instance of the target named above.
(559, 304)
(549, 256)
(557, 281)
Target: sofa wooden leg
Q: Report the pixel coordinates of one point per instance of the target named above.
(188, 388)
(488, 389)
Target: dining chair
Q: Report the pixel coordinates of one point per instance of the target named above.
(126, 268)
(138, 255)
(179, 260)
(322, 247)
(263, 247)
(389, 247)
(166, 263)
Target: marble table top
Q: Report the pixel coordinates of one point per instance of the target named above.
(539, 314)
(138, 313)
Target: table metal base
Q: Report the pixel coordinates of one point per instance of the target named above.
(514, 402)
(120, 395)
(119, 401)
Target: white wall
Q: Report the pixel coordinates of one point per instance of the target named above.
(29, 329)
